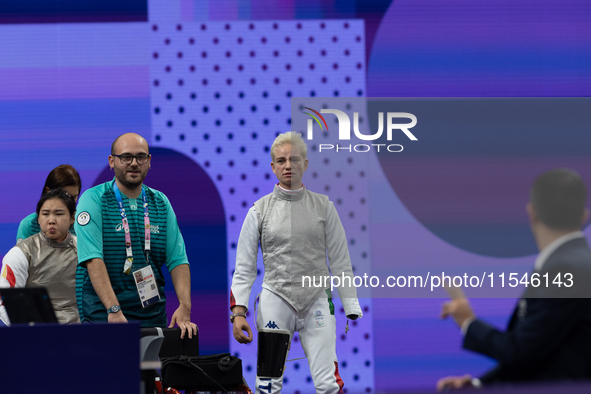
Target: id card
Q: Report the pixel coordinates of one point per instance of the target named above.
(146, 286)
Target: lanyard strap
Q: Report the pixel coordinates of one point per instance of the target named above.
(128, 248)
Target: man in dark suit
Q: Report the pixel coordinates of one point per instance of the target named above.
(549, 334)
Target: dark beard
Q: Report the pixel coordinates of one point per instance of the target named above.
(121, 177)
(130, 185)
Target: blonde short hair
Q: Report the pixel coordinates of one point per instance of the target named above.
(293, 138)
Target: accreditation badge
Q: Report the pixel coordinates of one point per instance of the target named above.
(146, 286)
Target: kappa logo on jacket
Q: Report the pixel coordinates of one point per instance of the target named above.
(271, 324)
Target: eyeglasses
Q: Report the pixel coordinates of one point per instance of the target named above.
(142, 158)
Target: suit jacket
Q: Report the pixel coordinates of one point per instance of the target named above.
(547, 338)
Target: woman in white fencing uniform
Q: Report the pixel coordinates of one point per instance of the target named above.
(297, 230)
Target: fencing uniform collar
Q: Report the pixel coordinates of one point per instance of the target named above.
(290, 195)
(55, 244)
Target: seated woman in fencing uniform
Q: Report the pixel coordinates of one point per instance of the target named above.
(48, 258)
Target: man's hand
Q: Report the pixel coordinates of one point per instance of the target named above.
(118, 317)
(181, 280)
(240, 325)
(99, 277)
(454, 382)
(182, 318)
(459, 309)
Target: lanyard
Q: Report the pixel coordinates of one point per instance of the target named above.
(129, 260)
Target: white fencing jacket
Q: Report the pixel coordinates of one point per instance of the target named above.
(298, 231)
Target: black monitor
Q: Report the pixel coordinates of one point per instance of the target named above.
(28, 305)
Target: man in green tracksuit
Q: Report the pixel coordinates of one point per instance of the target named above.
(126, 232)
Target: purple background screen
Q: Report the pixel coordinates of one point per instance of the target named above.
(73, 77)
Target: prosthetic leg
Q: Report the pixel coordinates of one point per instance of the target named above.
(272, 348)
(317, 331)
